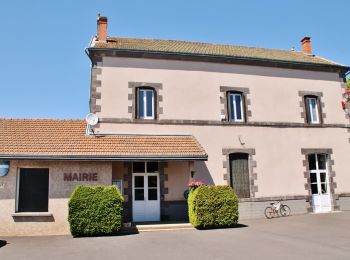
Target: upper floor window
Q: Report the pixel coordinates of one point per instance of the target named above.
(235, 106)
(145, 103)
(312, 110)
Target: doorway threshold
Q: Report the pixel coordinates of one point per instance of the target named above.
(162, 226)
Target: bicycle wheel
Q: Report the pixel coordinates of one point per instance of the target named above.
(285, 211)
(269, 212)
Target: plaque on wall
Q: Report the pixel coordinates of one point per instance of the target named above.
(119, 184)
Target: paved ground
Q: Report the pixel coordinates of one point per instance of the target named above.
(322, 236)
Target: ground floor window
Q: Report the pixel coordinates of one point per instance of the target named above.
(33, 190)
(240, 174)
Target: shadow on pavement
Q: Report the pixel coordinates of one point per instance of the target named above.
(230, 227)
(3, 243)
(123, 232)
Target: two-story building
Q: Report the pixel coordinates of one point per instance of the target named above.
(267, 122)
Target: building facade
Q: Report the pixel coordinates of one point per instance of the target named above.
(267, 122)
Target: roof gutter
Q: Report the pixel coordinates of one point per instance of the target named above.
(104, 157)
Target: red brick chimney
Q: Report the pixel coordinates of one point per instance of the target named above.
(101, 28)
(306, 45)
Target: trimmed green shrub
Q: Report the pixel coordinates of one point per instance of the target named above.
(213, 207)
(95, 210)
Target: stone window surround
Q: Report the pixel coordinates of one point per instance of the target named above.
(95, 86)
(252, 164)
(331, 175)
(224, 102)
(127, 178)
(157, 99)
(320, 105)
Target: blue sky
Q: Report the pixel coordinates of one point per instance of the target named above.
(45, 72)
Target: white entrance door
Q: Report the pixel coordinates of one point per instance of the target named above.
(146, 197)
(321, 198)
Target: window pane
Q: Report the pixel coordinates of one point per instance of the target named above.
(149, 102)
(308, 111)
(139, 194)
(313, 178)
(152, 166)
(311, 109)
(138, 167)
(323, 177)
(321, 158)
(141, 112)
(312, 161)
(139, 181)
(238, 101)
(152, 181)
(152, 194)
(33, 190)
(314, 110)
(232, 107)
(314, 189)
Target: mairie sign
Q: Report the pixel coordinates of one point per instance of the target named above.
(80, 176)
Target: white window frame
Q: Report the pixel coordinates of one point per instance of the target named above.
(309, 112)
(232, 107)
(144, 97)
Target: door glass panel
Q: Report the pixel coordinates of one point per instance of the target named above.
(152, 181)
(313, 178)
(312, 161)
(324, 188)
(138, 167)
(152, 167)
(152, 194)
(321, 158)
(323, 176)
(139, 194)
(139, 182)
(314, 189)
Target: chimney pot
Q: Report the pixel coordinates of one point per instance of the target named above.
(306, 45)
(102, 28)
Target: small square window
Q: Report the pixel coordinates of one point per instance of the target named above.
(235, 107)
(312, 112)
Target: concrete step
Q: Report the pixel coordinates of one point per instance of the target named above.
(163, 227)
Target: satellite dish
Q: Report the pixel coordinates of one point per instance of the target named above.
(91, 119)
